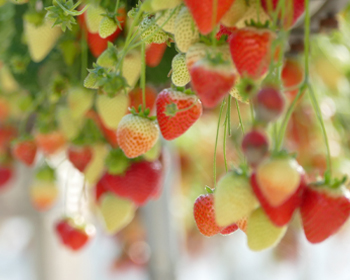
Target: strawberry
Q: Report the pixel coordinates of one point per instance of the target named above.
(292, 76)
(180, 75)
(6, 173)
(132, 67)
(203, 13)
(150, 32)
(269, 104)
(79, 101)
(109, 58)
(140, 182)
(250, 50)
(93, 17)
(79, 156)
(107, 27)
(278, 179)
(71, 235)
(255, 146)
(293, 10)
(157, 5)
(212, 80)
(154, 54)
(235, 13)
(254, 12)
(234, 199)
(116, 212)
(136, 135)
(163, 16)
(229, 230)
(25, 151)
(135, 97)
(261, 233)
(41, 38)
(176, 112)
(186, 33)
(50, 142)
(280, 215)
(204, 216)
(323, 211)
(112, 110)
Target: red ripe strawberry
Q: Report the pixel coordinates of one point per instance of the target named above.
(135, 96)
(212, 81)
(25, 151)
(79, 156)
(51, 142)
(202, 12)
(204, 215)
(176, 112)
(269, 104)
(292, 76)
(293, 10)
(154, 54)
(323, 211)
(280, 215)
(255, 146)
(140, 182)
(251, 51)
(5, 175)
(70, 235)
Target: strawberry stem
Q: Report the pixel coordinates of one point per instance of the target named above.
(225, 135)
(229, 115)
(240, 117)
(213, 21)
(143, 75)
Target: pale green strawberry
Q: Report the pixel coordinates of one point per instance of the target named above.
(93, 17)
(41, 39)
(112, 110)
(7, 82)
(69, 128)
(116, 212)
(107, 27)
(79, 101)
(180, 75)
(95, 168)
(109, 57)
(151, 33)
(261, 232)
(186, 31)
(234, 199)
(132, 67)
(91, 81)
(161, 17)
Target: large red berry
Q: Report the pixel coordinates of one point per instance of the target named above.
(280, 215)
(25, 151)
(251, 51)
(176, 112)
(79, 156)
(202, 12)
(323, 211)
(255, 146)
(5, 175)
(154, 54)
(140, 182)
(212, 81)
(269, 104)
(204, 215)
(293, 10)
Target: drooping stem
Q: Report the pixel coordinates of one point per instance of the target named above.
(143, 75)
(240, 117)
(225, 135)
(116, 6)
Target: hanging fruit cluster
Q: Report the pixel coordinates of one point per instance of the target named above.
(76, 77)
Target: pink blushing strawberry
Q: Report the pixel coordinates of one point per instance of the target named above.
(176, 112)
(255, 146)
(25, 151)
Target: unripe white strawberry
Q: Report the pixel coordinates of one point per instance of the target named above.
(252, 14)
(234, 199)
(112, 110)
(116, 212)
(151, 33)
(107, 27)
(180, 75)
(132, 67)
(186, 31)
(109, 58)
(235, 13)
(93, 17)
(161, 17)
(41, 39)
(261, 232)
(79, 101)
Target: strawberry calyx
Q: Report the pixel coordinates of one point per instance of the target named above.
(257, 24)
(114, 16)
(116, 162)
(247, 88)
(329, 182)
(209, 190)
(45, 173)
(142, 113)
(282, 154)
